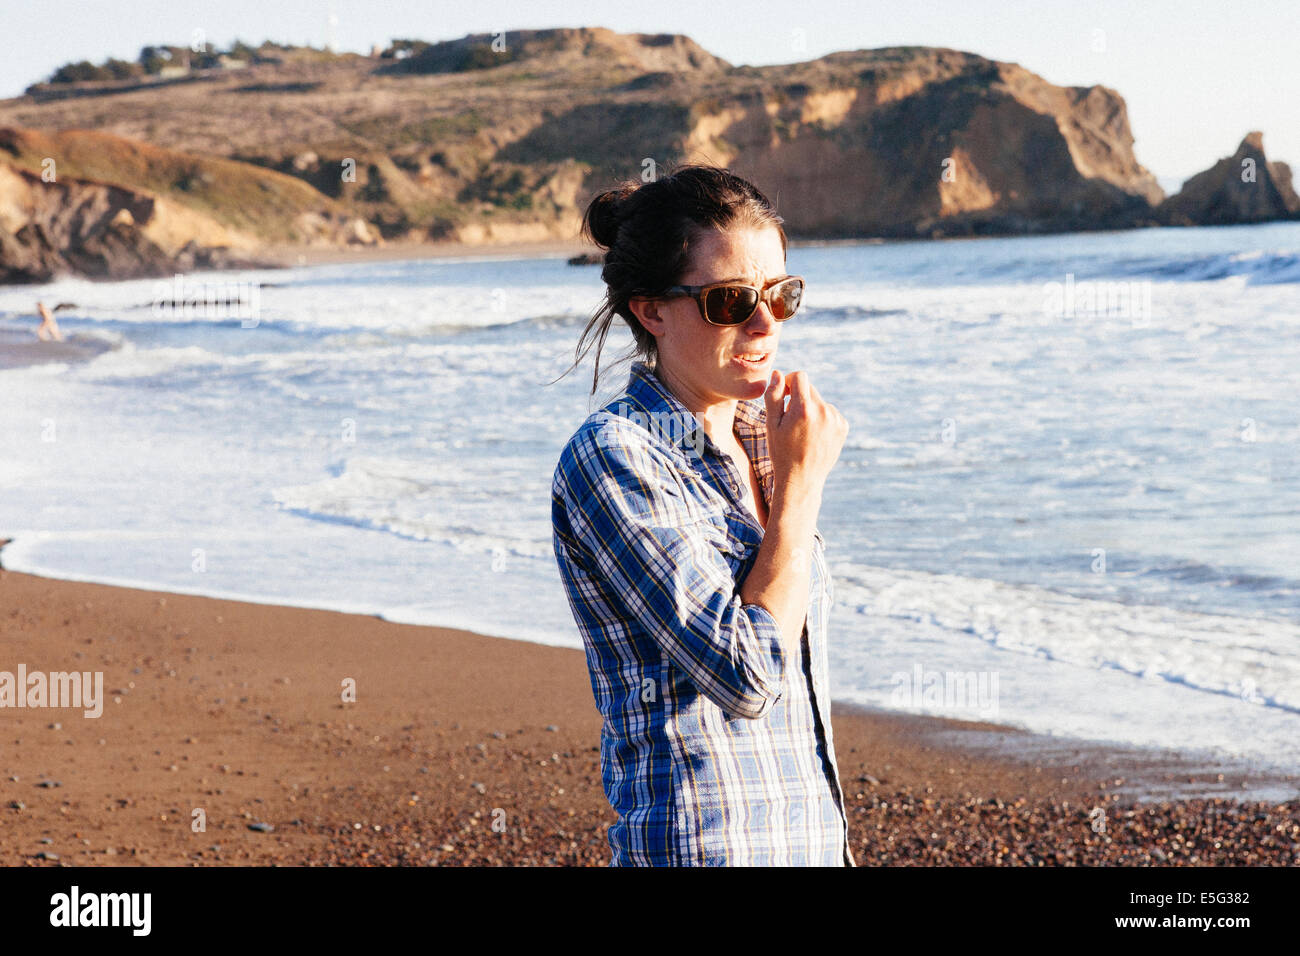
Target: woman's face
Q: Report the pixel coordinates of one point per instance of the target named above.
(700, 358)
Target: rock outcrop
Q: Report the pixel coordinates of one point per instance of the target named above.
(924, 142)
(1243, 188)
(65, 223)
(97, 230)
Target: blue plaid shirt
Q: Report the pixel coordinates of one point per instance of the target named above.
(716, 747)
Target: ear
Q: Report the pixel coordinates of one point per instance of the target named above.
(647, 313)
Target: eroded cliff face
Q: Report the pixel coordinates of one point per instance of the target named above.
(907, 141)
(946, 143)
(90, 228)
(1244, 187)
(101, 231)
(64, 223)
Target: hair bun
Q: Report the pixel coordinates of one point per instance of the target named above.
(605, 214)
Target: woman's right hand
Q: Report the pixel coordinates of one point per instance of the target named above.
(803, 440)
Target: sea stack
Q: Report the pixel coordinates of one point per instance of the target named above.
(1243, 188)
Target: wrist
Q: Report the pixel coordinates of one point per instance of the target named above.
(797, 496)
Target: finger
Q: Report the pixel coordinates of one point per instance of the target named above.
(800, 396)
(774, 397)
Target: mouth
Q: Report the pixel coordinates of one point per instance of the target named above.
(752, 360)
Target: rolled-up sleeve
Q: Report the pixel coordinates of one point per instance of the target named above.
(625, 509)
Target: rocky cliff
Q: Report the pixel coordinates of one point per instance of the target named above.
(920, 141)
(1244, 187)
(101, 231)
(505, 137)
(175, 213)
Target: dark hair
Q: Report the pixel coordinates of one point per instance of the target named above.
(647, 230)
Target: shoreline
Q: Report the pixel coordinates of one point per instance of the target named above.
(450, 730)
(280, 255)
(397, 251)
(401, 251)
(276, 256)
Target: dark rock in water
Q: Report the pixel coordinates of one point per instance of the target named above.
(1243, 188)
(587, 259)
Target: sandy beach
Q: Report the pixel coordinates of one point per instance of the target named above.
(463, 749)
(298, 254)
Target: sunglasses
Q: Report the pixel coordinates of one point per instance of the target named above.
(730, 303)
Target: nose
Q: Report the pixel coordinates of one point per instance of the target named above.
(762, 321)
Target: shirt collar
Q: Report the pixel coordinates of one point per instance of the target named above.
(683, 429)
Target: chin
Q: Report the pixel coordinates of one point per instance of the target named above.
(751, 380)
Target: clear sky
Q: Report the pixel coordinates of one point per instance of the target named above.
(1197, 76)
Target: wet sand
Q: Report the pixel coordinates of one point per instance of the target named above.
(19, 348)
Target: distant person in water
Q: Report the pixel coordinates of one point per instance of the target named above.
(49, 329)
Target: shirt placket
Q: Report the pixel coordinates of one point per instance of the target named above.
(810, 670)
(730, 479)
(808, 676)
(822, 722)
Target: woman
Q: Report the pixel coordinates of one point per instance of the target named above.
(684, 518)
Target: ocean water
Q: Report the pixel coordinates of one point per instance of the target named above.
(1069, 501)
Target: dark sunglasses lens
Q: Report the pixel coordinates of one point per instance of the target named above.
(730, 305)
(786, 298)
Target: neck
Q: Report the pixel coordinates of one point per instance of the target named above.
(718, 416)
